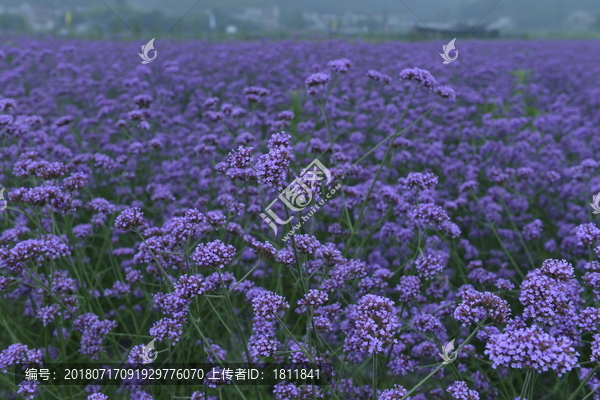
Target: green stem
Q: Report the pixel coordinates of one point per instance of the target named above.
(392, 135)
(582, 384)
(439, 366)
(304, 350)
(154, 257)
(526, 384)
(383, 161)
(374, 376)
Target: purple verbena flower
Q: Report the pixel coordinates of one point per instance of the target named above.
(531, 348)
(371, 325)
(421, 76)
(130, 219)
(460, 391)
(215, 254)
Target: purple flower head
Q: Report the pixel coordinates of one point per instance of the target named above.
(262, 346)
(316, 82)
(28, 389)
(588, 233)
(93, 331)
(97, 396)
(46, 314)
(306, 244)
(130, 219)
(421, 76)
(189, 286)
(286, 115)
(340, 66)
(558, 269)
(531, 348)
(193, 216)
(408, 288)
(49, 247)
(19, 354)
(75, 181)
(533, 230)
(445, 92)
(430, 213)
(210, 103)
(290, 391)
(269, 305)
(313, 299)
(240, 158)
(167, 328)
(371, 325)
(397, 393)
(200, 395)
(378, 76)
(256, 90)
(7, 104)
(589, 319)
(460, 391)
(143, 100)
(476, 305)
(272, 167)
(596, 349)
(100, 205)
(421, 180)
(239, 162)
(545, 298)
(42, 169)
(4, 282)
(216, 218)
(429, 265)
(254, 93)
(215, 254)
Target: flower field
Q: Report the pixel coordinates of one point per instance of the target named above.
(441, 246)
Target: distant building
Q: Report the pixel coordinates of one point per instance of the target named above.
(359, 23)
(400, 22)
(266, 18)
(40, 18)
(37, 18)
(433, 29)
(319, 22)
(579, 21)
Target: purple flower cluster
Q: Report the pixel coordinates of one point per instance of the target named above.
(215, 254)
(93, 331)
(397, 393)
(547, 293)
(19, 354)
(531, 348)
(49, 247)
(588, 233)
(272, 167)
(269, 305)
(371, 325)
(477, 305)
(420, 76)
(460, 391)
(129, 219)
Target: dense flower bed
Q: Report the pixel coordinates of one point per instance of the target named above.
(454, 206)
